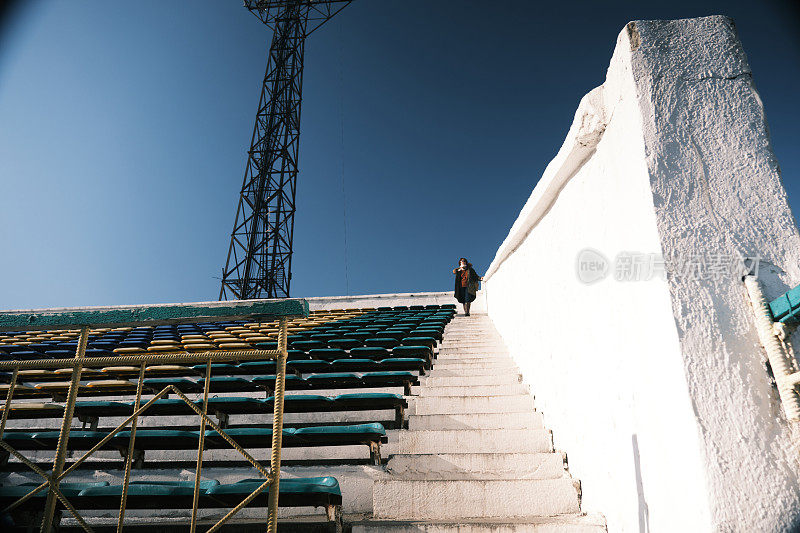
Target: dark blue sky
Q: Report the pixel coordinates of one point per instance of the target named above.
(123, 135)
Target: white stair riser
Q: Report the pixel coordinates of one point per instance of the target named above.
(553, 524)
(478, 361)
(476, 441)
(523, 420)
(484, 390)
(485, 379)
(520, 527)
(471, 346)
(431, 405)
(467, 358)
(489, 368)
(442, 371)
(478, 466)
(401, 499)
(469, 350)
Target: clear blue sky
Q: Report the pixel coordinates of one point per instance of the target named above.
(123, 133)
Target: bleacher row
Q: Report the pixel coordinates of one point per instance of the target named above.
(330, 350)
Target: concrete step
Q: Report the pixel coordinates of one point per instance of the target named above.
(482, 379)
(576, 523)
(462, 339)
(432, 405)
(461, 354)
(472, 348)
(479, 337)
(521, 420)
(472, 363)
(477, 466)
(495, 362)
(453, 499)
(473, 345)
(459, 334)
(475, 441)
(462, 372)
(472, 390)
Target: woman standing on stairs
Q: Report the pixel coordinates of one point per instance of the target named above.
(466, 283)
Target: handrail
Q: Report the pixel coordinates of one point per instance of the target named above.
(780, 362)
(150, 315)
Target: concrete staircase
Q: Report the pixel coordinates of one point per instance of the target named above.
(476, 455)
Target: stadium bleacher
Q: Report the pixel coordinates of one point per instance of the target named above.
(344, 354)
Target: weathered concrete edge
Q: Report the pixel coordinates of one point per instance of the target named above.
(588, 126)
(149, 315)
(361, 301)
(383, 296)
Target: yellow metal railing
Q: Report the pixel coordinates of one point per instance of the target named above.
(51, 481)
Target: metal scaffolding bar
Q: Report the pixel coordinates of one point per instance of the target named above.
(58, 473)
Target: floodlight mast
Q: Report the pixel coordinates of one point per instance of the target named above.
(259, 262)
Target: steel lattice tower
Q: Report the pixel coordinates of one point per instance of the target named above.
(259, 263)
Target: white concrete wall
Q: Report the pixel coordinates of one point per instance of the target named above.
(657, 389)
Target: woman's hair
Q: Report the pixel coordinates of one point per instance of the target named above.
(463, 259)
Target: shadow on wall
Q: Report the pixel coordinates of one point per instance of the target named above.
(644, 513)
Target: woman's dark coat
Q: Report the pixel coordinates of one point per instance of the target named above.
(472, 281)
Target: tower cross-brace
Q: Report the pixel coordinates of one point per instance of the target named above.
(259, 262)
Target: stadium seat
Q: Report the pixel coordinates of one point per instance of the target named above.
(303, 492)
(345, 343)
(310, 365)
(354, 365)
(333, 380)
(405, 363)
(370, 352)
(423, 352)
(389, 379)
(368, 401)
(301, 403)
(327, 354)
(430, 342)
(143, 495)
(382, 342)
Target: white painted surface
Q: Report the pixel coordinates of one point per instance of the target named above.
(657, 388)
